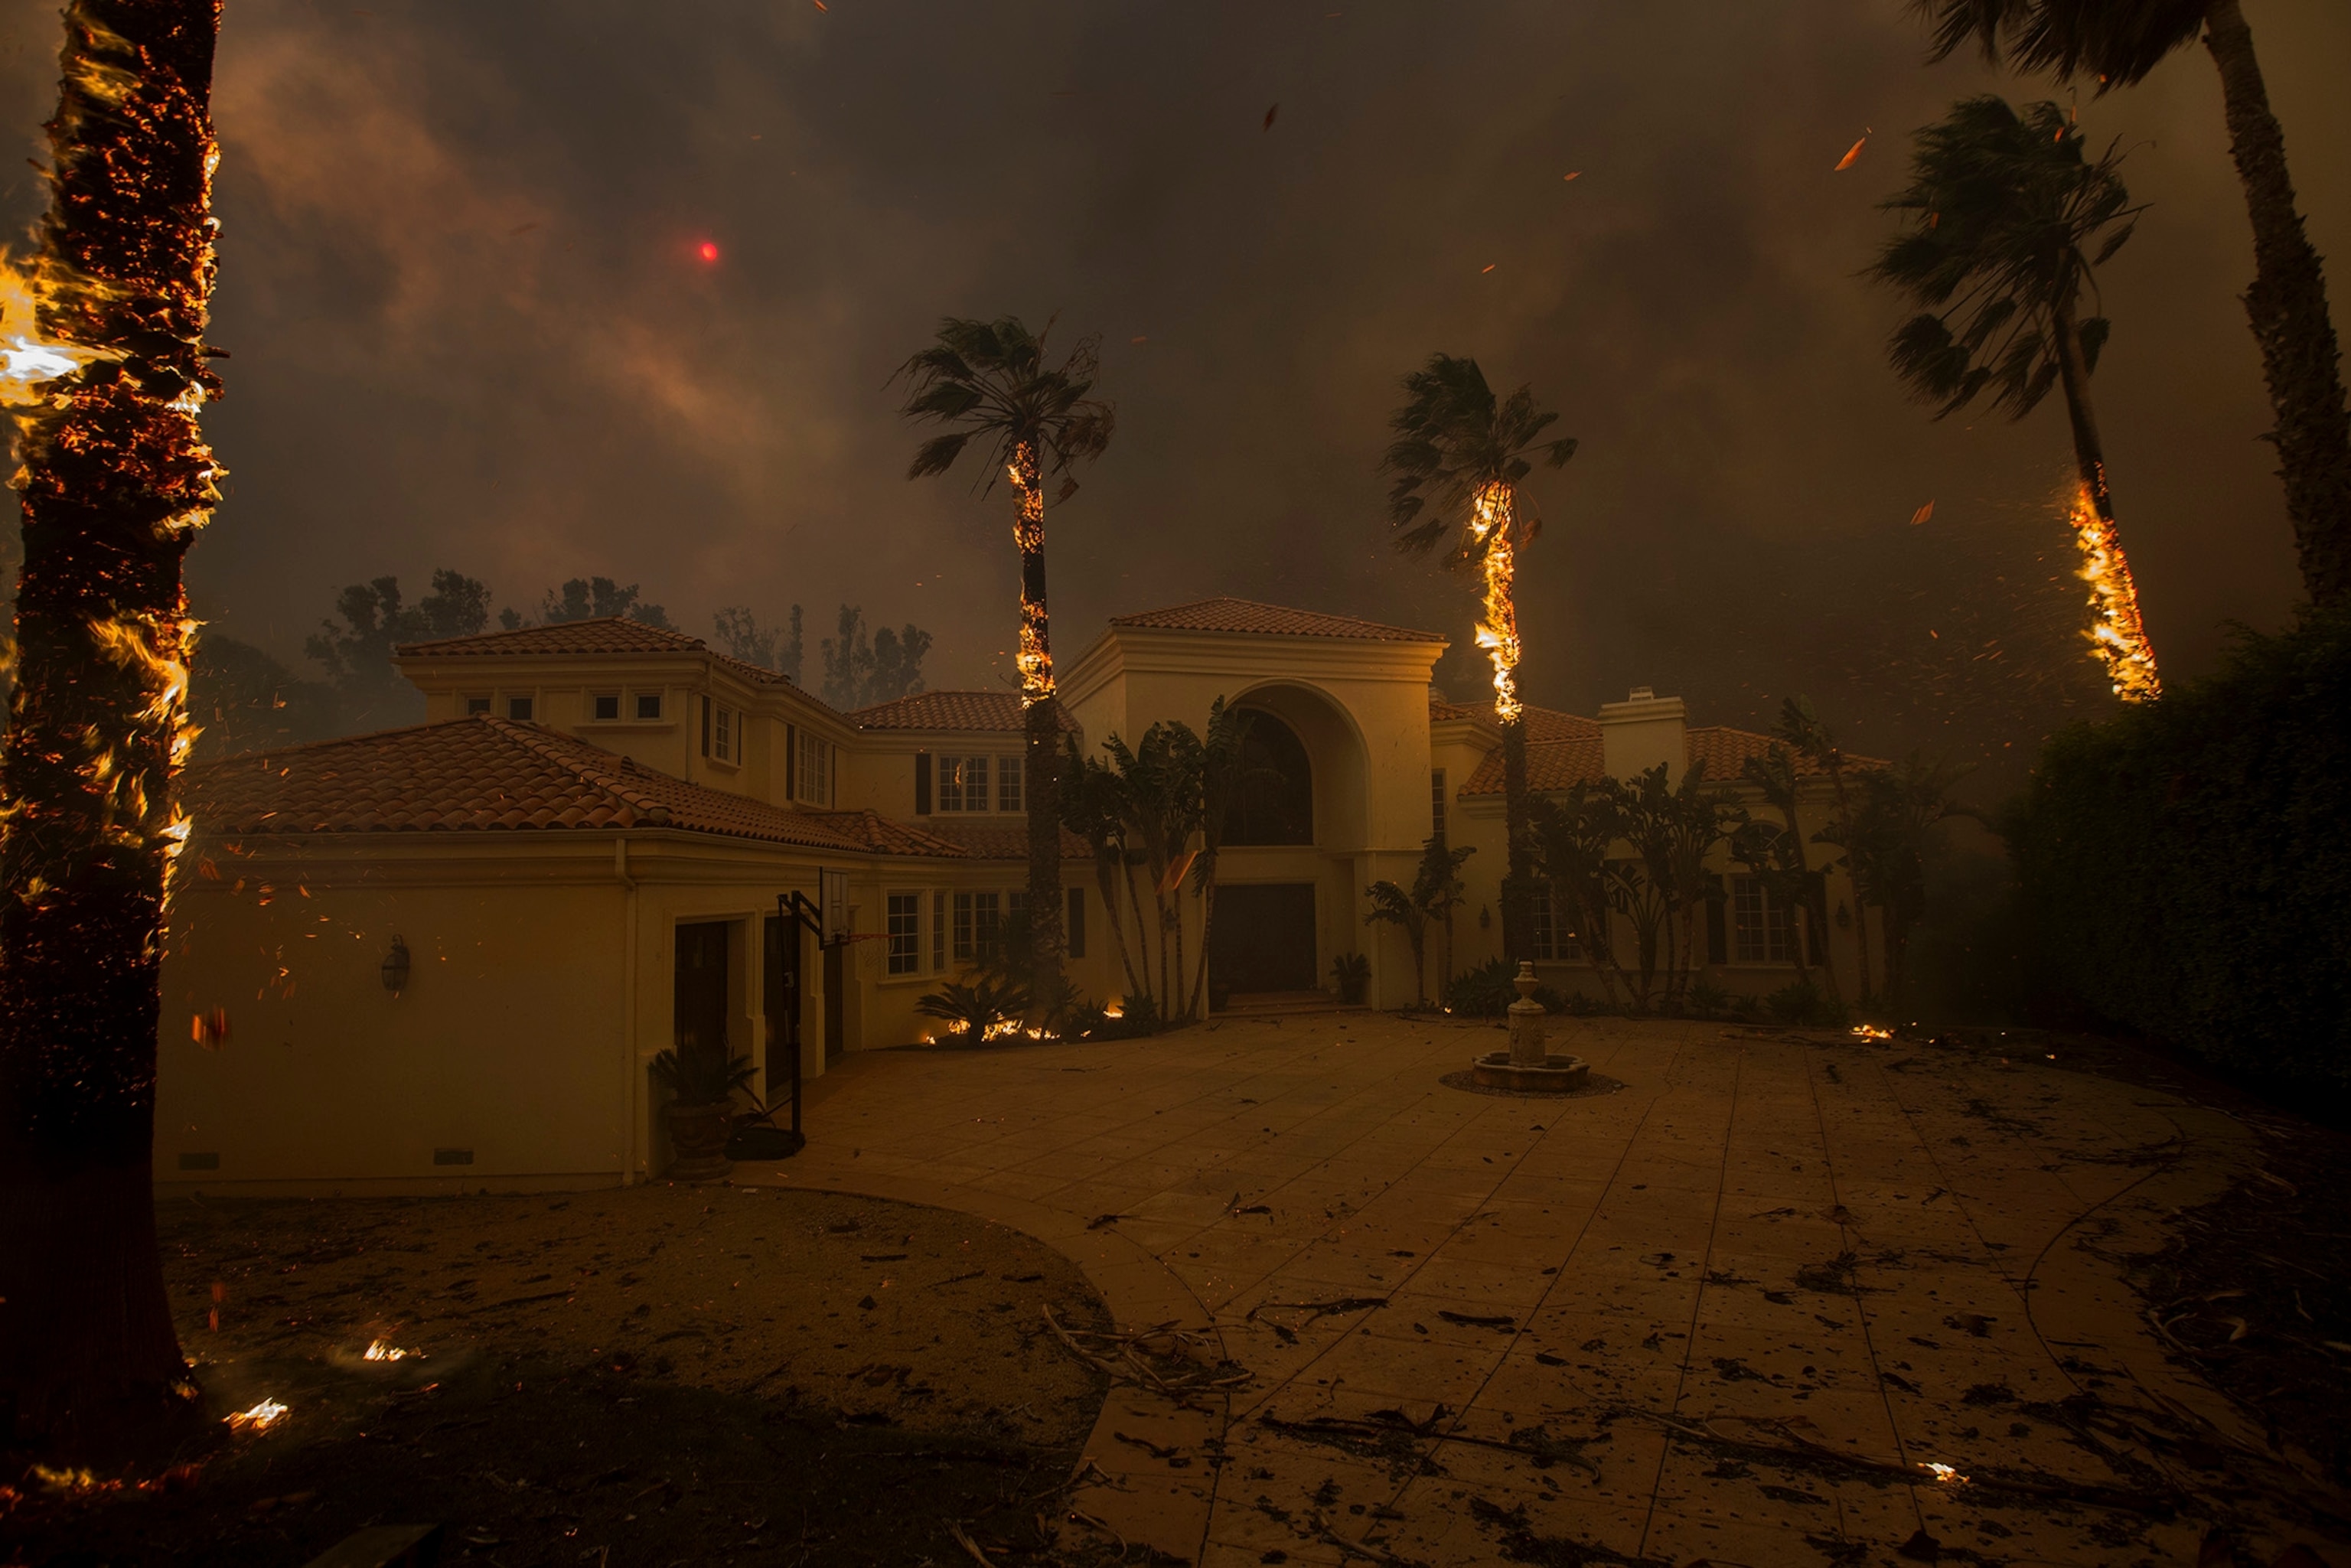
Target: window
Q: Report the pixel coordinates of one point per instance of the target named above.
(906, 933)
(605, 704)
(723, 742)
(1759, 923)
(518, 709)
(1555, 933)
(1436, 801)
(648, 705)
(978, 922)
(938, 931)
(474, 706)
(815, 780)
(1008, 783)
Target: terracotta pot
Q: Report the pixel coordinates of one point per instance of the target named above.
(697, 1138)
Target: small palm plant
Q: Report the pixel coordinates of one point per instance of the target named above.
(703, 1077)
(2009, 220)
(974, 1008)
(988, 381)
(1459, 456)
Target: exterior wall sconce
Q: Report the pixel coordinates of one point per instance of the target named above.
(1845, 917)
(396, 968)
(1485, 917)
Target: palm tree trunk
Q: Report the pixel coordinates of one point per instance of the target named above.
(1117, 920)
(115, 482)
(1519, 885)
(1207, 922)
(1860, 909)
(1142, 943)
(1041, 717)
(2287, 306)
(2117, 635)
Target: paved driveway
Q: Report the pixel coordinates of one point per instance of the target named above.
(1733, 1311)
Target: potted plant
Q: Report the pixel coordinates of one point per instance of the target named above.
(1352, 973)
(702, 1085)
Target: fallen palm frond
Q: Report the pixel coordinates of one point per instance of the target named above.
(1318, 1309)
(1151, 1358)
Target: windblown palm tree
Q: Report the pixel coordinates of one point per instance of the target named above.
(117, 481)
(2119, 42)
(1459, 456)
(1800, 727)
(988, 381)
(2006, 208)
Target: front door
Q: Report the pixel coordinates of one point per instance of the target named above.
(701, 1006)
(782, 989)
(835, 979)
(1263, 939)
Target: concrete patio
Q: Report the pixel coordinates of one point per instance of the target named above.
(1739, 1310)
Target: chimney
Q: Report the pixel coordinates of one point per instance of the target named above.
(1642, 731)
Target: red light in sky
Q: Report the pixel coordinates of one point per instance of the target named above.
(707, 250)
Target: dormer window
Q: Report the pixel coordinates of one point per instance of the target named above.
(518, 709)
(605, 704)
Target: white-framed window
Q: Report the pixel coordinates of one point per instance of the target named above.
(476, 706)
(978, 923)
(1555, 933)
(726, 735)
(815, 779)
(518, 709)
(648, 705)
(1436, 801)
(1760, 931)
(604, 705)
(1008, 783)
(904, 930)
(938, 932)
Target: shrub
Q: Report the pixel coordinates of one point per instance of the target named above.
(1708, 1001)
(1089, 1020)
(2185, 867)
(1799, 1002)
(972, 1009)
(702, 1077)
(1351, 973)
(1487, 991)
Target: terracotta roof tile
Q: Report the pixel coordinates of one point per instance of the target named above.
(993, 711)
(600, 635)
(1542, 723)
(1550, 765)
(1000, 838)
(488, 774)
(1270, 619)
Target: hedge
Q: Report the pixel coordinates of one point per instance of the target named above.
(2186, 866)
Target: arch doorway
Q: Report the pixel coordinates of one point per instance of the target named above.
(1274, 803)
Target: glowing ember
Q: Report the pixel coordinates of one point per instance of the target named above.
(260, 1418)
(2116, 633)
(29, 360)
(1492, 526)
(1942, 1472)
(707, 250)
(1035, 663)
(379, 1351)
(1871, 1032)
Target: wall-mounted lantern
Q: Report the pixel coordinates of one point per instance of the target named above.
(1845, 917)
(396, 968)
(1485, 917)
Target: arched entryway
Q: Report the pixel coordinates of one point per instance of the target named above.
(1281, 893)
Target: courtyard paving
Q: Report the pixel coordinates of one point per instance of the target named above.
(1741, 1309)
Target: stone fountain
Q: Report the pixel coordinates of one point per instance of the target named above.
(1527, 1066)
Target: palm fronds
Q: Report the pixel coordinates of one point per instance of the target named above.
(1453, 438)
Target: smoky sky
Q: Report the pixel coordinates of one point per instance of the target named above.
(470, 327)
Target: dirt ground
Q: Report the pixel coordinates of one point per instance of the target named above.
(657, 1375)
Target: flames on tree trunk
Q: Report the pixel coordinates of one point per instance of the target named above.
(1493, 533)
(110, 372)
(1041, 727)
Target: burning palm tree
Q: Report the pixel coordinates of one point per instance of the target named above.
(2119, 42)
(106, 352)
(2006, 211)
(1458, 454)
(988, 381)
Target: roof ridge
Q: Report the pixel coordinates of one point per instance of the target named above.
(685, 639)
(550, 748)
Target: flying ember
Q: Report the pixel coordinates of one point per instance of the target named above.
(260, 1418)
(707, 250)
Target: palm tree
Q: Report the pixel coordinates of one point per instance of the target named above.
(2119, 42)
(1224, 768)
(115, 482)
(1777, 858)
(1436, 889)
(2006, 208)
(1459, 453)
(1800, 725)
(1574, 837)
(1095, 808)
(1888, 842)
(988, 381)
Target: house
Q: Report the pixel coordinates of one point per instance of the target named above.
(445, 956)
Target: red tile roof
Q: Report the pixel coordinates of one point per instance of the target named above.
(1550, 765)
(600, 635)
(490, 774)
(1269, 620)
(1542, 723)
(997, 713)
(1000, 838)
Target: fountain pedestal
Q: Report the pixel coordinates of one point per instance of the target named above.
(1529, 1066)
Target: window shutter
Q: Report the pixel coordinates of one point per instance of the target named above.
(791, 761)
(922, 783)
(1073, 937)
(1717, 938)
(705, 725)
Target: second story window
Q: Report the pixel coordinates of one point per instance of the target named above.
(814, 781)
(963, 784)
(1008, 783)
(724, 740)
